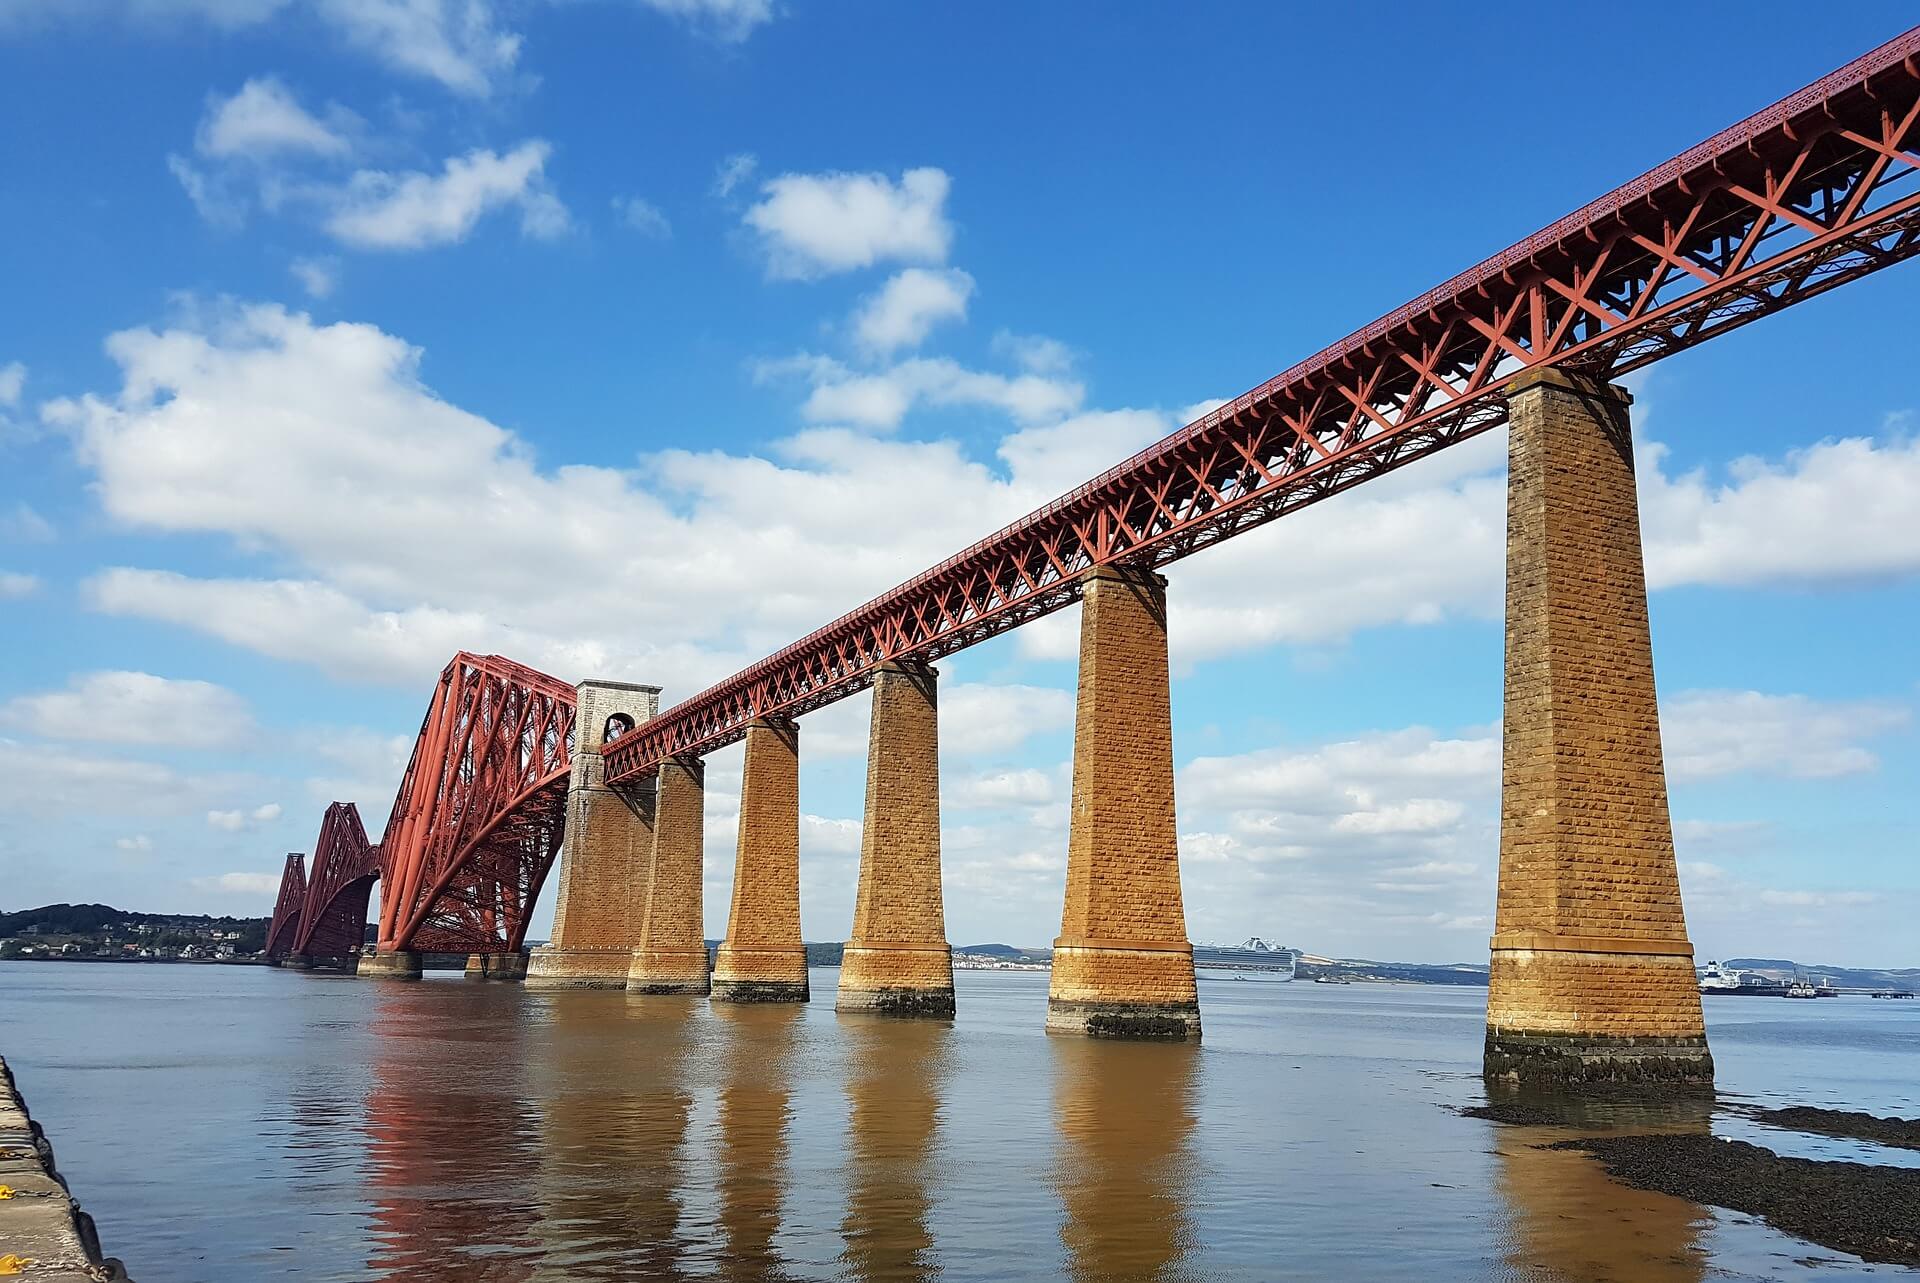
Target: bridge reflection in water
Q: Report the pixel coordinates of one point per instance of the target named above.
(516, 1137)
(612, 1113)
(451, 1146)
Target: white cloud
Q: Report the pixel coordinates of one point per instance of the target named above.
(262, 119)
(413, 210)
(1034, 353)
(642, 216)
(138, 843)
(43, 780)
(454, 42)
(363, 767)
(26, 525)
(13, 377)
(1385, 828)
(726, 19)
(905, 310)
(995, 790)
(317, 276)
(732, 171)
(226, 14)
(1710, 733)
(15, 584)
(1062, 455)
(813, 225)
(460, 540)
(1839, 510)
(1818, 899)
(881, 400)
(457, 43)
(979, 719)
(251, 885)
(239, 821)
(215, 197)
(135, 708)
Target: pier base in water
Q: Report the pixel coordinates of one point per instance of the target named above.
(397, 964)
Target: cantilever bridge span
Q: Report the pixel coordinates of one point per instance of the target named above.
(1815, 191)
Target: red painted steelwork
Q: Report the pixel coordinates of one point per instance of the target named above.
(286, 909)
(1815, 191)
(478, 819)
(333, 922)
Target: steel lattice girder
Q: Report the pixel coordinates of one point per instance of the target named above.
(478, 819)
(283, 929)
(1817, 190)
(345, 865)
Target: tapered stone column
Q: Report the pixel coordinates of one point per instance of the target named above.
(672, 957)
(605, 865)
(1592, 976)
(898, 962)
(1122, 966)
(763, 959)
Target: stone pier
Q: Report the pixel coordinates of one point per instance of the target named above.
(672, 957)
(1592, 974)
(497, 966)
(898, 962)
(393, 964)
(1123, 966)
(763, 959)
(608, 856)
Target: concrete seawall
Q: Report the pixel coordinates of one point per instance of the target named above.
(43, 1232)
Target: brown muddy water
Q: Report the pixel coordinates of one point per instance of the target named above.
(239, 1124)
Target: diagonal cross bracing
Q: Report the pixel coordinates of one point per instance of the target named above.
(1819, 189)
(478, 819)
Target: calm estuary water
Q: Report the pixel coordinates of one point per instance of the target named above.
(236, 1124)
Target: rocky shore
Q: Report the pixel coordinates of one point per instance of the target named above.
(1663, 1144)
(1872, 1212)
(43, 1232)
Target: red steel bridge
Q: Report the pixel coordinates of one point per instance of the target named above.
(1819, 189)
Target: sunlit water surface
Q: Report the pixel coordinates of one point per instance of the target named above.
(234, 1124)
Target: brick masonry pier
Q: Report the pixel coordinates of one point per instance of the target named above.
(43, 1232)
(762, 958)
(1122, 966)
(898, 962)
(1592, 976)
(672, 954)
(607, 862)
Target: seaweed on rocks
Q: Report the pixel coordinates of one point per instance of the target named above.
(1872, 1212)
(1903, 1133)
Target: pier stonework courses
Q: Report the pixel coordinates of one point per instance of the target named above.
(1592, 973)
(898, 961)
(608, 856)
(1123, 966)
(762, 958)
(672, 954)
(390, 964)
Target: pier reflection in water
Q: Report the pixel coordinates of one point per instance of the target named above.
(754, 1107)
(1124, 1112)
(896, 1077)
(1567, 1220)
(451, 1140)
(613, 1111)
(326, 1130)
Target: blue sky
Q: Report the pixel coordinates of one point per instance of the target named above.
(635, 338)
